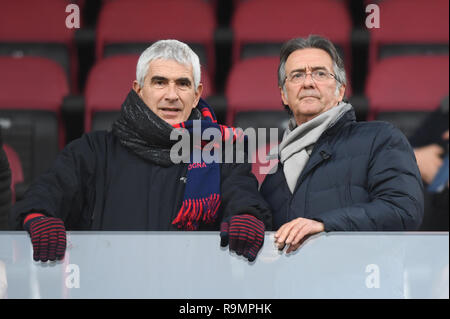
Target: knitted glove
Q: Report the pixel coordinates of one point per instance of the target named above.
(48, 236)
(244, 233)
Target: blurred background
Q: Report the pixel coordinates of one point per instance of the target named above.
(57, 83)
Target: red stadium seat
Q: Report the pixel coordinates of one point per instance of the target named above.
(30, 102)
(403, 90)
(36, 28)
(130, 26)
(253, 86)
(108, 84)
(16, 169)
(261, 26)
(410, 28)
(211, 2)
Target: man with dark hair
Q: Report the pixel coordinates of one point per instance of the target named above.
(335, 174)
(127, 180)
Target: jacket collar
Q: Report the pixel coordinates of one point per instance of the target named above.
(324, 151)
(349, 116)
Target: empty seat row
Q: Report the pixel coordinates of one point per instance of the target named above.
(401, 90)
(32, 91)
(28, 27)
(408, 27)
(35, 28)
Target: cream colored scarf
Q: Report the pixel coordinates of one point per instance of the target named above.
(298, 141)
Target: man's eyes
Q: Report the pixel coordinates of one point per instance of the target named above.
(159, 82)
(181, 83)
(303, 74)
(184, 83)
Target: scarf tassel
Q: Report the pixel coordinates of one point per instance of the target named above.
(190, 213)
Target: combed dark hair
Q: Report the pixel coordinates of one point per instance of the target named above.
(313, 41)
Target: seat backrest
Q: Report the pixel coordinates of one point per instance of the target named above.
(410, 28)
(411, 83)
(16, 169)
(33, 28)
(143, 22)
(30, 100)
(261, 26)
(210, 2)
(252, 85)
(403, 90)
(107, 86)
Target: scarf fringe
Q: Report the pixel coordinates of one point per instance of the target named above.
(195, 210)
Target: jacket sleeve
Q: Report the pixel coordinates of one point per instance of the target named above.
(240, 193)
(61, 191)
(394, 186)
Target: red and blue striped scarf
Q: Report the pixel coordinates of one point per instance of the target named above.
(202, 193)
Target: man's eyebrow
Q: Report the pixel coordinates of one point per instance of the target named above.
(183, 80)
(158, 78)
(312, 69)
(162, 78)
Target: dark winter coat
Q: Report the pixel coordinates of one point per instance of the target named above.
(96, 183)
(360, 176)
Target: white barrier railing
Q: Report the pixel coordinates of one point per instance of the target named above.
(192, 265)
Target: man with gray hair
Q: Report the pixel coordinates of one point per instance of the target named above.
(335, 174)
(126, 179)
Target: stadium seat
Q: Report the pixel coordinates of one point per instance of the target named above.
(108, 84)
(16, 169)
(211, 2)
(253, 96)
(261, 26)
(402, 90)
(410, 28)
(30, 102)
(130, 26)
(36, 28)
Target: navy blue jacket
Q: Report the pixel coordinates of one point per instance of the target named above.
(361, 176)
(98, 184)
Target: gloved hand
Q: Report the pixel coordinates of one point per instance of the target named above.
(244, 233)
(48, 236)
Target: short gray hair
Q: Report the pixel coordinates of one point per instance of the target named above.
(168, 50)
(316, 42)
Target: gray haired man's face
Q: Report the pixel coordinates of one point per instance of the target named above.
(169, 90)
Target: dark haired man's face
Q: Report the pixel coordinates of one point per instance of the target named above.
(310, 98)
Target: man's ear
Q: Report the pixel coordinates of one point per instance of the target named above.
(136, 87)
(283, 96)
(341, 92)
(198, 94)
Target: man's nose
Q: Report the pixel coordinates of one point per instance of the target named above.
(308, 82)
(172, 93)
